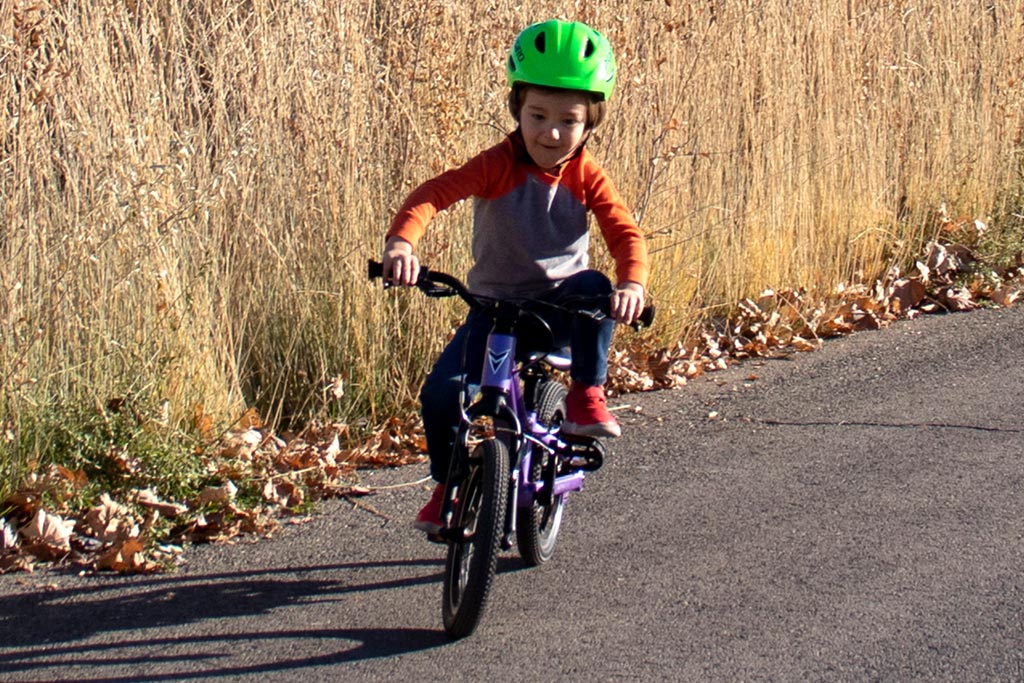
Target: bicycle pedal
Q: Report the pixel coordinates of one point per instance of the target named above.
(587, 455)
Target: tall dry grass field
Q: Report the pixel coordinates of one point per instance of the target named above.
(190, 189)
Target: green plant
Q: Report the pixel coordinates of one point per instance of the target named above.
(86, 451)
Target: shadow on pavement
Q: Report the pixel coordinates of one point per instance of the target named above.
(371, 644)
(33, 626)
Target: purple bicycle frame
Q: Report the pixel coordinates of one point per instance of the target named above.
(499, 372)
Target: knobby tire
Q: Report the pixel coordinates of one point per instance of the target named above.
(471, 562)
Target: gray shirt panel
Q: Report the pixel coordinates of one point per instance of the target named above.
(527, 241)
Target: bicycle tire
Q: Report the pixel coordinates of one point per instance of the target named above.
(472, 560)
(537, 526)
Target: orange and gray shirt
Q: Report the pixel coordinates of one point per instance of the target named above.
(530, 227)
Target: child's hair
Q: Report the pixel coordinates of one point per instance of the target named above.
(596, 106)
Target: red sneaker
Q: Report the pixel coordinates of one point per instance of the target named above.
(587, 413)
(429, 518)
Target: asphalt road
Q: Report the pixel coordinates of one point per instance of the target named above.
(852, 514)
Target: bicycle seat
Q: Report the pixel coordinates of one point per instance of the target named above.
(559, 359)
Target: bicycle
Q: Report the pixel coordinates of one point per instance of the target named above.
(512, 469)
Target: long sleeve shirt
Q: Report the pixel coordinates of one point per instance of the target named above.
(530, 227)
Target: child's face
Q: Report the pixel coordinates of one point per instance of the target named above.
(553, 125)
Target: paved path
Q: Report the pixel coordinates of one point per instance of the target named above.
(853, 514)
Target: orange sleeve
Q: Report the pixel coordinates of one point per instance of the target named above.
(625, 240)
(437, 194)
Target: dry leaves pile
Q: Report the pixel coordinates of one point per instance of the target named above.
(140, 532)
(283, 472)
(776, 323)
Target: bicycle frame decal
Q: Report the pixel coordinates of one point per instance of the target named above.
(500, 357)
(496, 360)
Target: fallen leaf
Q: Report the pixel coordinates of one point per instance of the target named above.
(907, 293)
(283, 492)
(148, 499)
(218, 494)
(336, 388)
(801, 344)
(250, 419)
(242, 444)
(49, 529)
(210, 529)
(47, 536)
(202, 422)
(15, 562)
(957, 299)
(124, 462)
(76, 478)
(8, 537)
(104, 520)
(127, 557)
(1005, 296)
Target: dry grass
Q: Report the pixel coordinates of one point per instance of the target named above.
(191, 189)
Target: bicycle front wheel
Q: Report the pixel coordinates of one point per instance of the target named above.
(479, 514)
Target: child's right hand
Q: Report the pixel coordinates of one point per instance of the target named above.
(401, 266)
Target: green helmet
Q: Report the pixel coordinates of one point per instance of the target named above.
(562, 54)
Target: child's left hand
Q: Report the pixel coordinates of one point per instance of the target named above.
(627, 302)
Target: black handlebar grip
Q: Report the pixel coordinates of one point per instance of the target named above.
(645, 319)
(374, 269)
(647, 316)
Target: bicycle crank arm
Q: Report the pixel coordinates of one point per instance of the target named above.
(453, 535)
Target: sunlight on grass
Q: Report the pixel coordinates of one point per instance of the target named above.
(191, 190)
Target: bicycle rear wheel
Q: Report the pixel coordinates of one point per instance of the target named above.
(537, 526)
(472, 559)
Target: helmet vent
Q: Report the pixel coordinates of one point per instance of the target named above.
(540, 42)
(589, 50)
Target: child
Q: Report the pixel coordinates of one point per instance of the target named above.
(530, 235)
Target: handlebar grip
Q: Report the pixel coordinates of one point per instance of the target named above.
(374, 269)
(647, 316)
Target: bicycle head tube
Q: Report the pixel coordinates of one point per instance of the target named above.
(499, 362)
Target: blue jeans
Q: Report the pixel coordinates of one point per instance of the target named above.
(588, 339)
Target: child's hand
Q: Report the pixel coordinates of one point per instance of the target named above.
(627, 302)
(401, 266)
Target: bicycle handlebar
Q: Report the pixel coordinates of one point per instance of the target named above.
(449, 284)
(437, 284)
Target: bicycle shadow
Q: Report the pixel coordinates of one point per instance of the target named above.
(33, 626)
(370, 644)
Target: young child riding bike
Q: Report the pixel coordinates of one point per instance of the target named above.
(530, 240)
